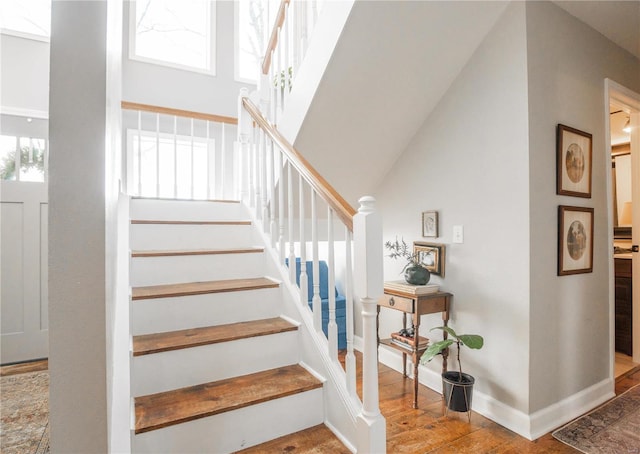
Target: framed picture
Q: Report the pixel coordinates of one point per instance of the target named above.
(573, 166)
(430, 224)
(431, 256)
(575, 240)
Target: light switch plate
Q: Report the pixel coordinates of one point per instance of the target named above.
(458, 234)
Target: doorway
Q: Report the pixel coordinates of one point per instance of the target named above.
(24, 334)
(624, 144)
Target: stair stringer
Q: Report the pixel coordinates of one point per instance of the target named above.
(341, 409)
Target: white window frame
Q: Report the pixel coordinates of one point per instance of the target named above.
(236, 48)
(211, 71)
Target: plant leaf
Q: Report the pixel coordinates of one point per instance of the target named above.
(447, 329)
(471, 340)
(435, 349)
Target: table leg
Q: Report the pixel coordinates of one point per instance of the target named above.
(416, 362)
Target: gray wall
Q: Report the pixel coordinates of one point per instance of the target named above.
(568, 63)
(469, 161)
(24, 75)
(77, 325)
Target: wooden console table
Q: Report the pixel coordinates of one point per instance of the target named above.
(407, 301)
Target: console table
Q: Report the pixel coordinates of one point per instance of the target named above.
(408, 300)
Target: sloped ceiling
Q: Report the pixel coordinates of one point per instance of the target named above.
(393, 63)
(617, 20)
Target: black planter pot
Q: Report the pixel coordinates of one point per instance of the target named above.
(457, 392)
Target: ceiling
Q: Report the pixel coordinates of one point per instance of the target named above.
(617, 20)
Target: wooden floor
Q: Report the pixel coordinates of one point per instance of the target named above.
(426, 430)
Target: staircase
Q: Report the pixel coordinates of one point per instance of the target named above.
(216, 366)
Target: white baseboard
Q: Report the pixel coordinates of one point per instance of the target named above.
(529, 426)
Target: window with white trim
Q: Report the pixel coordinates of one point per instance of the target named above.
(176, 33)
(26, 18)
(23, 159)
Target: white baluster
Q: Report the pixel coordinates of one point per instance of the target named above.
(157, 155)
(332, 328)
(281, 166)
(273, 227)
(304, 281)
(223, 161)
(368, 280)
(258, 169)
(263, 188)
(316, 301)
(292, 252)
(193, 167)
(252, 170)
(139, 153)
(175, 157)
(350, 358)
(210, 161)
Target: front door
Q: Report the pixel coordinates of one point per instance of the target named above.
(24, 315)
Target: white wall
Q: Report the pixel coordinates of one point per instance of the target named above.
(469, 161)
(77, 325)
(568, 62)
(160, 85)
(24, 76)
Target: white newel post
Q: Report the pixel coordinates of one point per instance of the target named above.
(244, 137)
(369, 284)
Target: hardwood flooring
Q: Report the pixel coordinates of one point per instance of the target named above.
(426, 430)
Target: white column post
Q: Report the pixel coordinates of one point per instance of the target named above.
(369, 283)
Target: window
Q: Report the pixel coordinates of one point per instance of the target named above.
(253, 28)
(29, 19)
(30, 161)
(177, 33)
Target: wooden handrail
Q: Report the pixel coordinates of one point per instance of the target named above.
(341, 207)
(178, 112)
(273, 40)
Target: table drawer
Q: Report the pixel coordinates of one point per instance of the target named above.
(397, 302)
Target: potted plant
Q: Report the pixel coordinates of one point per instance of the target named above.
(457, 387)
(414, 272)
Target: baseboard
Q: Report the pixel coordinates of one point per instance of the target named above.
(530, 426)
(558, 414)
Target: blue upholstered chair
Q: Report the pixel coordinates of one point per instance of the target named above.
(324, 296)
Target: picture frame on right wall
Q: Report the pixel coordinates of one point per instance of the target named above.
(574, 162)
(575, 240)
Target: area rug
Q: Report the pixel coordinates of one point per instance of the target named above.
(613, 428)
(24, 413)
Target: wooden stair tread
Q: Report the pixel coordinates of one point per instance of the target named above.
(156, 411)
(174, 340)
(170, 222)
(180, 252)
(314, 439)
(200, 288)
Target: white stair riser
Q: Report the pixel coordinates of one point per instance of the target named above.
(191, 366)
(169, 314)
(195, 268)
(238, 429)
(180, 210)
(170, 236)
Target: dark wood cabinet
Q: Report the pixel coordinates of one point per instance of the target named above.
(623, 305)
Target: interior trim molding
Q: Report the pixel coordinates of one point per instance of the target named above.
(530, 426)
(20, 112)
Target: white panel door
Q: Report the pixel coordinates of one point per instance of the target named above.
(24, 296)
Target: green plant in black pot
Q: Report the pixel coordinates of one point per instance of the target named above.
(457, 386)
(414, 272)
